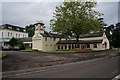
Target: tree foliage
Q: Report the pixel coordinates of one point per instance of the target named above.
(109, 31)
(113, 34)
(116, 36)
(15, 41)
(30, 30)
(75, 18)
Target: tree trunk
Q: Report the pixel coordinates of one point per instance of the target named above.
(77, 39)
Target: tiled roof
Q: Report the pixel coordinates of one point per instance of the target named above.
(26, 39)
(80, 41)
(46, 34)
(6, 26)
(90, 35)
(85, 35)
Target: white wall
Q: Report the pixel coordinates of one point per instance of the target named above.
(50, 44)
(40, 43)
(6, 38)
(37, 42)
(5, 34)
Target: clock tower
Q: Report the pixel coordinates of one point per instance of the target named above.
(37, 39)
(39, 27)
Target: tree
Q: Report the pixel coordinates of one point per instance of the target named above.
(15, 41)
(75, 18)
(102, 22)
(116, 36)
(30, 30)
(109, 31)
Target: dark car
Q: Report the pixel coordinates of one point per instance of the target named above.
(7, 47)
(19, 47)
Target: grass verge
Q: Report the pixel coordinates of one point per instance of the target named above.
(27, 49)
(3, 54)
(71, 51)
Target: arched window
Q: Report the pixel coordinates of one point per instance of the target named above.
(58, 47)
(8, 34)
(62, 47)
(88, 45)
(11, 34)
(95, 45)
(82, 46)
(65, 47)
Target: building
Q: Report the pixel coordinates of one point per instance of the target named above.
(27, 41)
(8, 31)
(45, 41)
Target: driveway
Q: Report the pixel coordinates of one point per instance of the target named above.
(18, 60)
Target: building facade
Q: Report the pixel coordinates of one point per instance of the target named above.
(8, 31)
(45, 41)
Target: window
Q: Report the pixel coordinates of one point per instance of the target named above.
(10, 27)
(95, 45)
(18, 29)
(8, 34)
(19, 35)
(16, 35)
(58, 47)
(45, 38)
(2, 34)
(11, 34)
(88, 45)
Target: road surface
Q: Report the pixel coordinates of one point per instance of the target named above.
(106, 68)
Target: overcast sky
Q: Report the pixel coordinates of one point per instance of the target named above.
(26, 13)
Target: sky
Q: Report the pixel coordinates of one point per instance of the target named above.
(26, 13)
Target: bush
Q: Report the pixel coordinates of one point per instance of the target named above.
(15, 41)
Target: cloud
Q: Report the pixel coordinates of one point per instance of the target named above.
(25, 13)
(110, 11)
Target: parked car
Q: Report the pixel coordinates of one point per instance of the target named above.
(1, 47)
(19, 47)
(7, 47)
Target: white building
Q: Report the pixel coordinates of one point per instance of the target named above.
(45, 41)
(8, 31)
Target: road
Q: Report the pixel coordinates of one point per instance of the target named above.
(106, 68)
(19, 60)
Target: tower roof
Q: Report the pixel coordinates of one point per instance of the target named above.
(39, 22)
